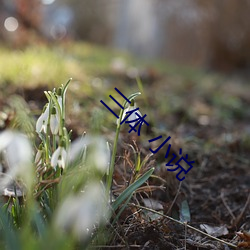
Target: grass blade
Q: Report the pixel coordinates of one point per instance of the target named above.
(128, 191)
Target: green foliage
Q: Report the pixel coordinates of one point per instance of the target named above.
(112, 165)
(40, 64)
(66, 206)
(132, 188)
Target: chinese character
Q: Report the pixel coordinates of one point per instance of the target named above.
(178, 164)
(159, 137)
(116, 103)
(132, 115)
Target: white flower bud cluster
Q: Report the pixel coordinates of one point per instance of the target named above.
(50, 125)
(50, 117)
(56, 150)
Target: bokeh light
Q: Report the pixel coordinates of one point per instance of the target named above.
(11, 24)
(58, 31)
(48, 2)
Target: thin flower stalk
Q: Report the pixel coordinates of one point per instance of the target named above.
(65, 87)
(112, 163)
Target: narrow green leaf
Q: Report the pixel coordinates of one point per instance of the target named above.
(10, 236)
(122, 209)
(65, 87)
(140, 86)
(138, 163)
(39, 222)
(134, 95)
(128, 191)
(185, 212)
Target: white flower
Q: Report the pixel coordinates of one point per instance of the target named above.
(42, 122)
(59, 158)
(132, 117)
(101, 154)
(54, 121)
(79, 214)
(17, 152)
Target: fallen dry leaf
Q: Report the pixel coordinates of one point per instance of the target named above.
(214, 230)
(153, 204)
(245, 236)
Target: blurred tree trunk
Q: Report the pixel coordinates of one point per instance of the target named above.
(29, 14)
(229, 35)
(211, 33)
(92, 21)
(29, 17)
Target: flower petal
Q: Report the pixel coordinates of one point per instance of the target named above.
(18, 156)
(125, 113)
(54, 124)
(62, 161)
(42, 121)
(18, 151)
(101, 155)
(38, 156)
(55, 156)
(5, 139)
(79, 214)
(39, 123)
(44, 127)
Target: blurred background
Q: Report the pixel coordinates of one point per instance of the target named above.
(212, 34)
(193, 60)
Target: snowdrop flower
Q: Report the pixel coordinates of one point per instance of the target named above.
(17, 152)
(59, 157)
(42, 122)
(132, 116)
(101, 155)
(54, 121)
(79, 214)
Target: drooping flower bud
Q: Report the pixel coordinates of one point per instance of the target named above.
(54, 121)
(133, 115)
(59, 157)
(42, 122)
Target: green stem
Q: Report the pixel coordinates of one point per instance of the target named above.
(46, 147)
(65, 87)
(54, 142)
(112, 164)
(59, 111)
(47, 140)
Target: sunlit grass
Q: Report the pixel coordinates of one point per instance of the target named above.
(90, 66)
(37, 65)
(41, 64)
